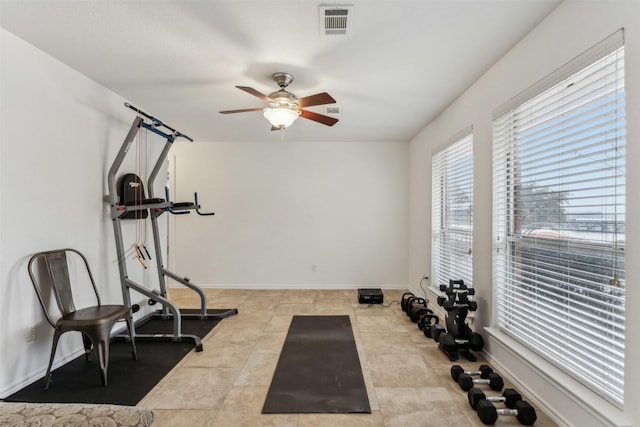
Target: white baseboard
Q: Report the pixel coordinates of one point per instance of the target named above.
(269, 286)
(39, 373)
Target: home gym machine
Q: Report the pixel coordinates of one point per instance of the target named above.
(123, 208)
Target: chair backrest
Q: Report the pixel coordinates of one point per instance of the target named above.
(51, 268)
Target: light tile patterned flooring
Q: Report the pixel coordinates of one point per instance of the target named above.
(407, 377)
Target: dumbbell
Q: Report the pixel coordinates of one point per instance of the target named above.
(510, 397)
(435, 331)
(447, 343)
(483, 371)
(456, 286)
(465, 291)
(494, 381)
(450, 305)
(524, 412)
(475, 341)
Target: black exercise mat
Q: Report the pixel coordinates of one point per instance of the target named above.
(319, 370)
(129, 380)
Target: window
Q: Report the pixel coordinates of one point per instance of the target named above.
(452, 211)
(559, 218)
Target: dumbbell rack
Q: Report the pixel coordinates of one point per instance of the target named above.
(458, 338)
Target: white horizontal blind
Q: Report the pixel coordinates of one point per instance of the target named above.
(559, 219)
(452, 212)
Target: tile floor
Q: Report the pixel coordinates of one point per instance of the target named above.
(407, 377)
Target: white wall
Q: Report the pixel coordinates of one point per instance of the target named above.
(571, 29)
(284, 207)
(59, 133)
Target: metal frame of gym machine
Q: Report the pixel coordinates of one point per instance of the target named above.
(156, 208)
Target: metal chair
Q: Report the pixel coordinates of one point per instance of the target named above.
(49, 272)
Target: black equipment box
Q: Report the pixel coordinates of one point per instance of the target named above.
(370, 296)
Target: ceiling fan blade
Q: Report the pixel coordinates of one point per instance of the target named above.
(242, 111)
(317, 99)
(320, 118)
(254, 92)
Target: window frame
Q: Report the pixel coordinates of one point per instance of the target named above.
(510, 259)
(447, 167)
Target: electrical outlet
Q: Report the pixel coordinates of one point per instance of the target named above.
(425, 277)
(31, 334)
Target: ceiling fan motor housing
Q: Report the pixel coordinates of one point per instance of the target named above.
(283, 99)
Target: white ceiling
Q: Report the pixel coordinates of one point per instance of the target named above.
(401, 65)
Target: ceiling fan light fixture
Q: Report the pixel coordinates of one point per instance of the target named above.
(281, 117)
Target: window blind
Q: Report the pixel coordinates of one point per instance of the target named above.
(559, 218)
(452, 211)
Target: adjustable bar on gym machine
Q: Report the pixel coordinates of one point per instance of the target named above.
(158, 122)
(195, 196)
(170, 208)
(195, 205)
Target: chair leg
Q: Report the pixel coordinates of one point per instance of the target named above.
(54, 345)
(102, 348)
(132, 336)
(86, 341)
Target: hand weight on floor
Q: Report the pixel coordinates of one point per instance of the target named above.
(494, 381)
(509, 397)
(483, 371)
(524, 412)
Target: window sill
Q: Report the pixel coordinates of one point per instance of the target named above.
(566, 400)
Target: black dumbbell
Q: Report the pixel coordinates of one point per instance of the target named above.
(510, 397)
(476, 342)
(483, 371)
(524, 412)
(444, 288)
(494, 381)
(469, 291)
(435, 331)
(450, 305)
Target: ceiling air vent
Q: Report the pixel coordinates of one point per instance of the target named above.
(335, 20)
(332, 109)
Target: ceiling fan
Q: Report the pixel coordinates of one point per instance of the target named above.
(284, 107)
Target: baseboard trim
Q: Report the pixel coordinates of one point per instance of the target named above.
(270, 286)
(39, 373)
